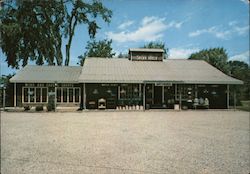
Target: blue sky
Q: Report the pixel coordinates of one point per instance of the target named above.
(185, 26)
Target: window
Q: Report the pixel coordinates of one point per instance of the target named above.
(130, 91)
(187, 92)
(38, 94)
(77, 93)
(70, 94)
(25, 94)
(44, 94)
(34, 95)
(65, 94)
(59, 94)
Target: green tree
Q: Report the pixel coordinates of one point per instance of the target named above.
(241, 70)
(5, 83)
(214, 56)
(84, 13)
(122, 55)
(97, 49)
(33, 30)
(159, 45)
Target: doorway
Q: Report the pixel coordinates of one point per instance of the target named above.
(158, 95)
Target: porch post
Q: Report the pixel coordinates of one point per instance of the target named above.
(55, 95)
(179, 96)
(144, 96)
(227, 96)
(15, 95)
(153, 93)
(175, 92)
(84, 96)
(4, 88)
(234, 98)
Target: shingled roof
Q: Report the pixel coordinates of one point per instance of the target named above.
(103, 70)
(47, 74)
(121, 70)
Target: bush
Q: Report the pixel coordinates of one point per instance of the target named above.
(39, 108)
(26, 108)
(51, 103)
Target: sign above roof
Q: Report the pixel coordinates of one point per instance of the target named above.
(144, 54)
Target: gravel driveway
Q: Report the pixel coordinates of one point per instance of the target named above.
(125, 142)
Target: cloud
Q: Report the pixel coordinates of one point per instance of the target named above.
(175, 24)
(245, 1)
(126, 24)
(232, 23)
(241, 30)
(151, 29)
(212, 30)
(181, 53)
(222, 34)
(244, 56)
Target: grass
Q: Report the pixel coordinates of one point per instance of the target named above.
(245, 106)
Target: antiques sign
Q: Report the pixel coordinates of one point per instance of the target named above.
(144, 57)
(163, 84)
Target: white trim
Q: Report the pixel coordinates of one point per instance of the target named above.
(67, 95)
(175, 91)
(84, 96)
(35, 87)
(22, 95)
(74, 95)
(144, 96)
(153, 95)
(14, 94)
(41, 97)
(35, 95)
(74, 98)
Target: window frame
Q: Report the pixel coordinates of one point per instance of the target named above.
(41, 89)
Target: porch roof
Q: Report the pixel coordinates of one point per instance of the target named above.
(47, 74)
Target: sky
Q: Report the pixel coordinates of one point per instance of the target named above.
(185, 26)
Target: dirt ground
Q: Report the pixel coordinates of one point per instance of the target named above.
(200, 142)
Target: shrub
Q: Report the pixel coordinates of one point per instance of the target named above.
(51, 103)
(39, 108)
(26, 108)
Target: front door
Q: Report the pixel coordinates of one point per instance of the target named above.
(158, 95)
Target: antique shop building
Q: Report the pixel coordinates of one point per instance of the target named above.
(144, 80)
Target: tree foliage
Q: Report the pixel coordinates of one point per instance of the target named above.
(123, 55)
(5, 83)
(215, 56)
(33, 30)
(237, 69)
(159, 45)
(241, 70)
(95, 48)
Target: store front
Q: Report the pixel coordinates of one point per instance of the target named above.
(143, 81)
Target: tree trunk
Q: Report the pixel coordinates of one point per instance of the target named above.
(67, 55)
(71, 34)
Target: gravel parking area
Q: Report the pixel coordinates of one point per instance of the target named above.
(125, 142)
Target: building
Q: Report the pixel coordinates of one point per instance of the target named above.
(144, 79)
